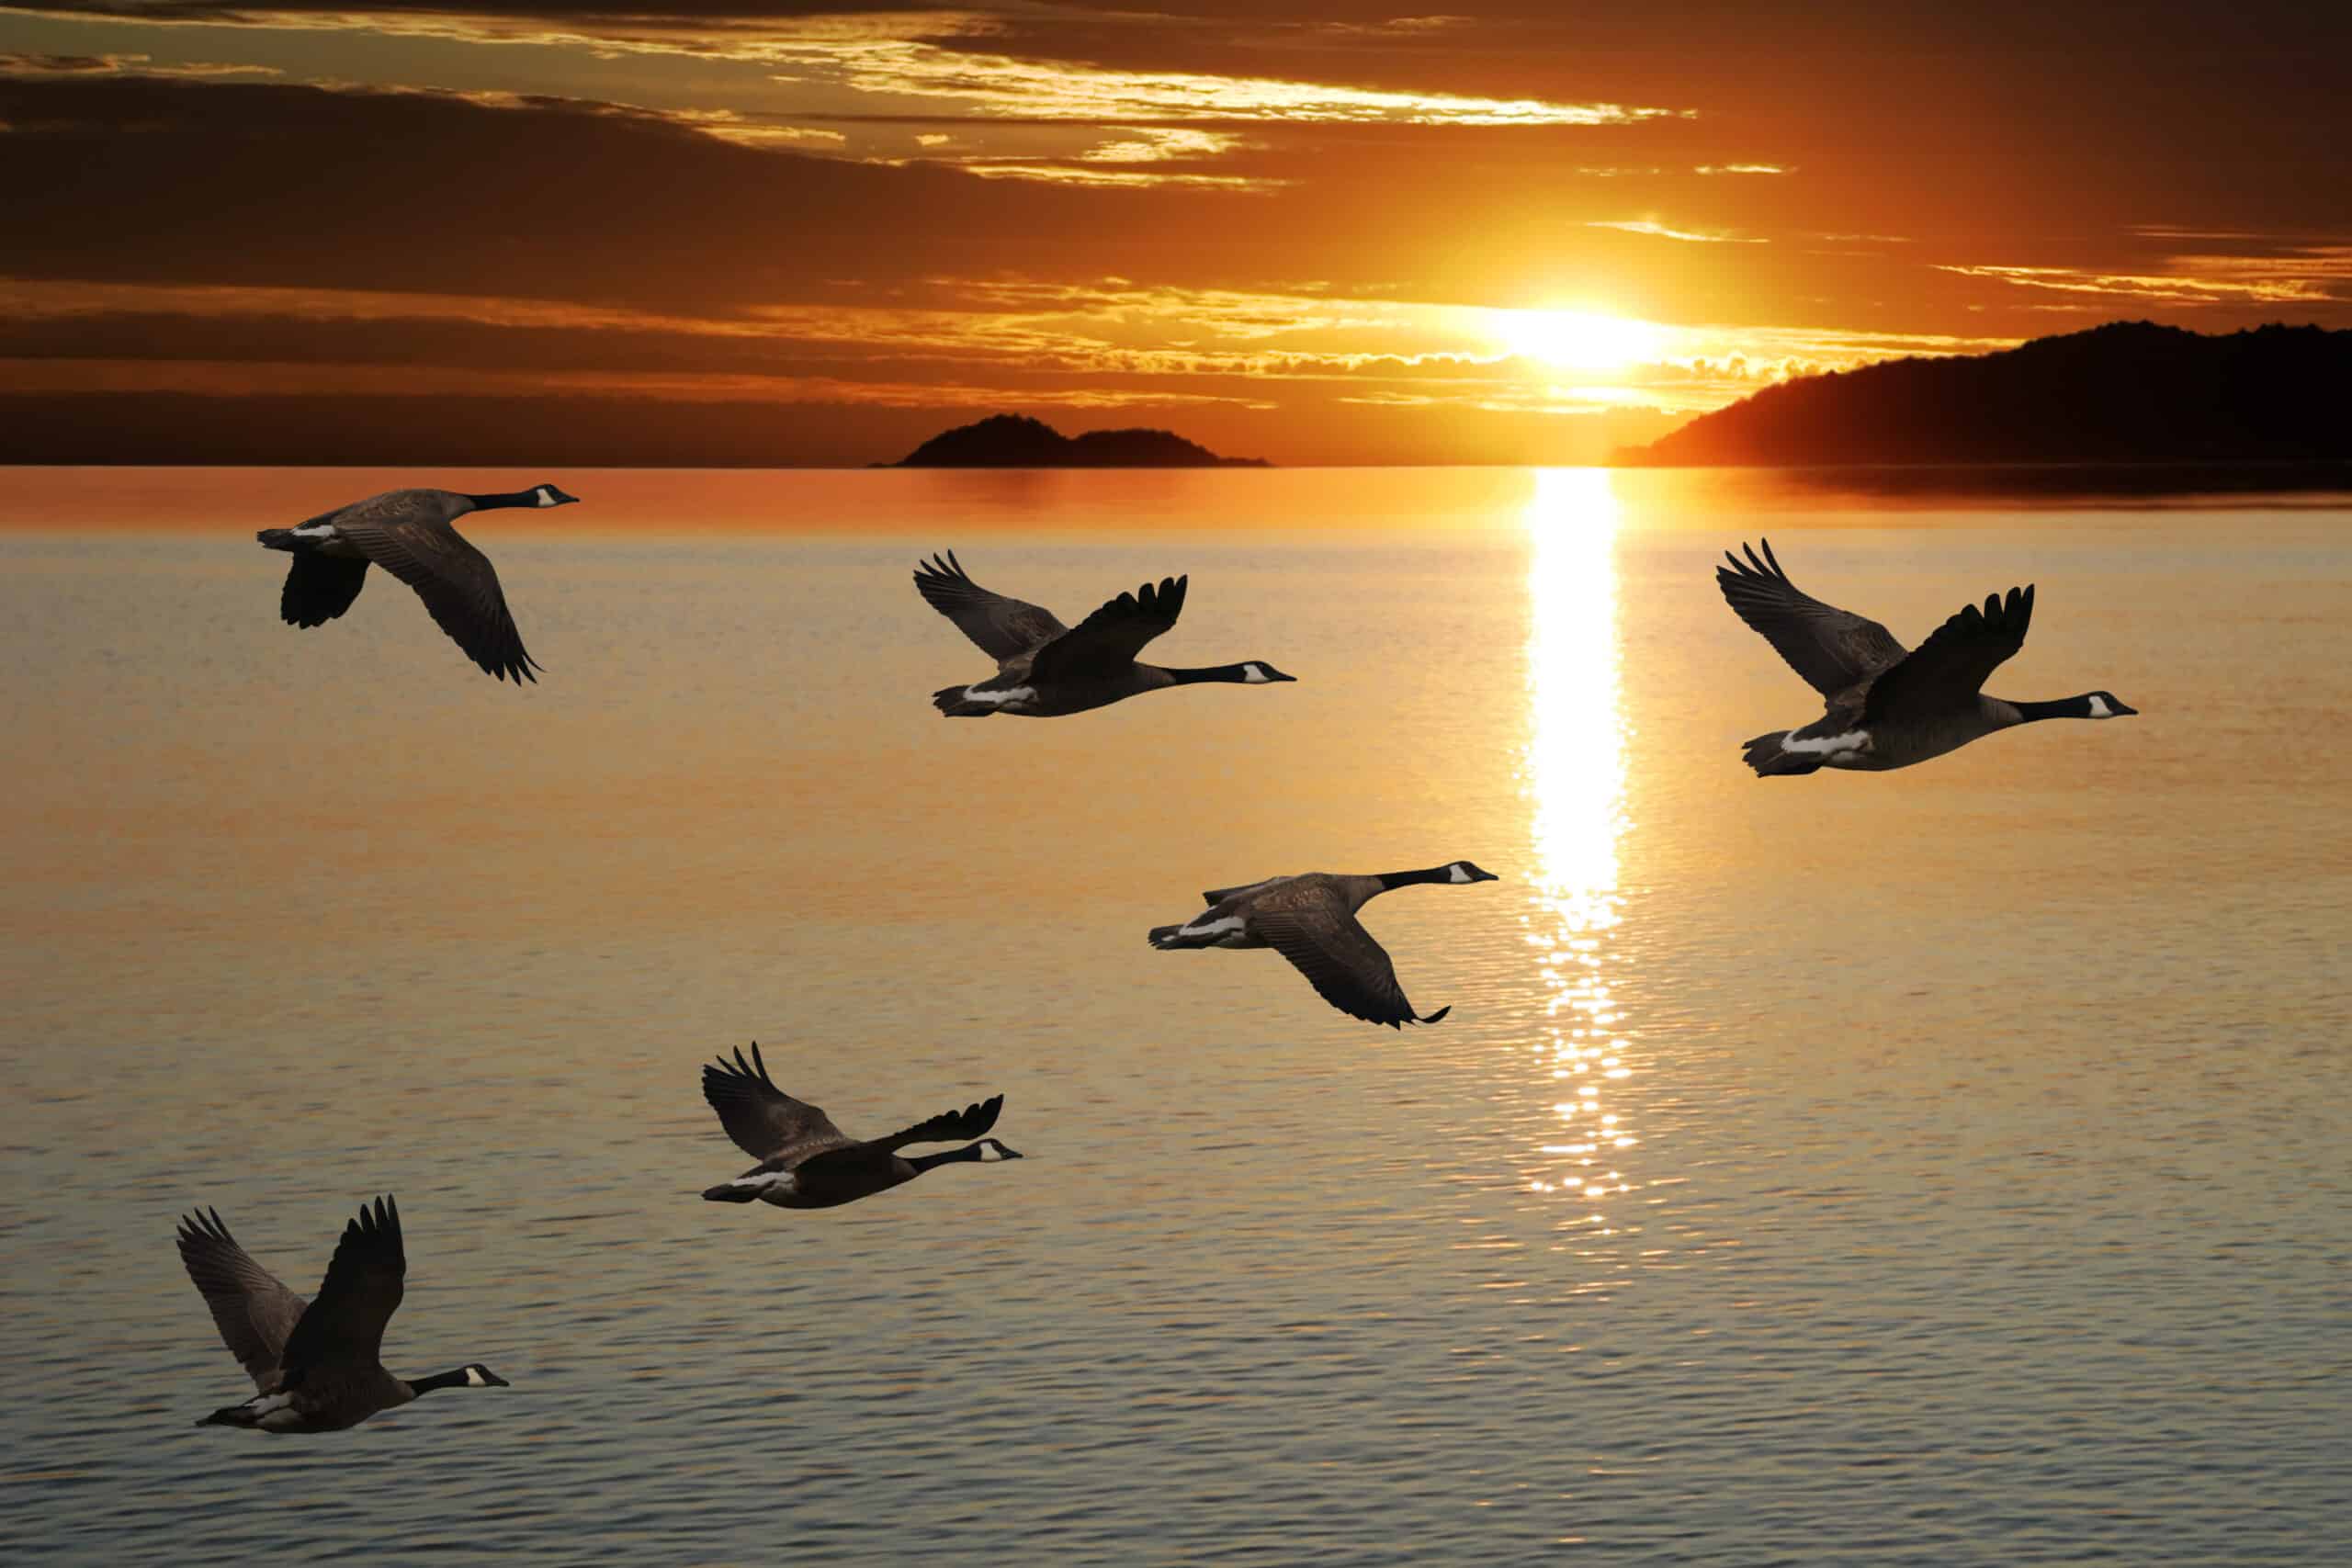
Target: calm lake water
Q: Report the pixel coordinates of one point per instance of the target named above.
(1947, 1166)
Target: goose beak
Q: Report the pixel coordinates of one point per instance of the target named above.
(2122, 711)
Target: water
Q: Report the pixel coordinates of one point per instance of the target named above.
(1939, 1167)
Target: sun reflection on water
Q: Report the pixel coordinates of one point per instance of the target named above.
(1575, 782)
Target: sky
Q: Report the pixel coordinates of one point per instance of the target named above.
(1311, 230)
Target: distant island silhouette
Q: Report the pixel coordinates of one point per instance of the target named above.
(1014, 441)
(2125, 392)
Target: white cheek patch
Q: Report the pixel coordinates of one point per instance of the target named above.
(1253, 676)
(1827, 745)
(1458, 874)
(2100, 708)
(474, 1378)
(990, 1152)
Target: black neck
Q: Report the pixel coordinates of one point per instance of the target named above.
(440, 1380)
(510, 498)
(2064, 707)
(1389, 879)
(924, 1162)
(1236, 672)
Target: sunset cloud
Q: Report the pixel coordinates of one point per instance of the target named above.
(13, 64)
(2170, 288)
(1005, 85)
(1660, 230)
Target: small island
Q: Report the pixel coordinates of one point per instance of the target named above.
(1014, 441)
(2129, 393)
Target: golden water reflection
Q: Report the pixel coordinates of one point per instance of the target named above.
(1575, 782)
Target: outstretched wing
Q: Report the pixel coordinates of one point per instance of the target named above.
(1951, 666)
(1216, 896)
(1002, 626)
(343, 1326)
(1325, 942)
(253, 1310)
(400, 534)
(1108, 641)
(1832, 649)
(948, 1125)
(764, 1121)
(320, 587)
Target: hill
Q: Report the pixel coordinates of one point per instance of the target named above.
(1011, 441)
(2125, 392)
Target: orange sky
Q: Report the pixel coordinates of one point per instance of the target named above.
(1313, 231)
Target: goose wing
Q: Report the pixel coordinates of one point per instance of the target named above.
(343, 1326)
(1954, 663)
(253, 1310)
(1216, 896)
(1002, 626)
(1328, 945)
(407, 534)
(947, 1126)
(320, 587)
(1832, 649)
(764, 1121)
(1108, 641)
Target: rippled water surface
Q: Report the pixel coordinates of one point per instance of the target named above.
(1936, 1167)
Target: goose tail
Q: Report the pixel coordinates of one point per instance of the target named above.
(731, 1192)
(1765, 755)
(952, 702)
(275, 538)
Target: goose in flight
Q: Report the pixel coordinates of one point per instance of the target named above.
(1046, 669)
(316, 1365)
(1887, 708)
(1311, 920)
(409, 534)
(806, 1162)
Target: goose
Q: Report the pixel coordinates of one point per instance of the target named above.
(1311, 920)
(806, 1162)
(1887, 708)
(316, 1365)
(409, 534)
(1046, 669)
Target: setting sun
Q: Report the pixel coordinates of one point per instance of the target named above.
(1581, 340)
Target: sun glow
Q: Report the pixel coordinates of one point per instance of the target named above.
(1581, 340)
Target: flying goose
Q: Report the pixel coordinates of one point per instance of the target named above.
(316, 1365)
(1311, 920)
(1887, 708)
(1046, 669)
(806, 1162)
(408, 533)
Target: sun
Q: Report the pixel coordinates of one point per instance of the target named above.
(1578, 340)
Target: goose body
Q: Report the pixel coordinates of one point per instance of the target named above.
(1311, 920)
(806, 1162)
(1887, 706)
(1046, 669)
(315, 1365)
(410, 534)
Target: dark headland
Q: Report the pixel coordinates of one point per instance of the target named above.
(2130, 392)
(1013, 441)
